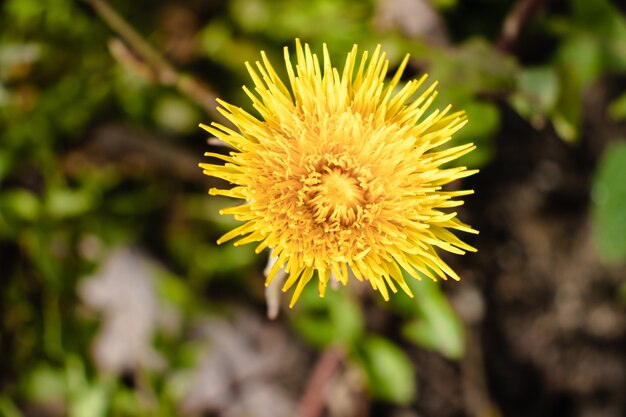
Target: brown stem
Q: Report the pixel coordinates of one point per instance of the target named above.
(137, 53)
(199, 92)
(167, 74)
(521, 13)
(312, 402)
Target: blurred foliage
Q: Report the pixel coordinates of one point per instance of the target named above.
(431, 321)
(68, 198)
(609, 196)
(391, 375)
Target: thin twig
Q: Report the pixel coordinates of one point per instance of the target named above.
(137, 53)
(312, 403)
(521, 13)
(166, 72)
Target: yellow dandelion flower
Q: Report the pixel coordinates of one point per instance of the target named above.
(341, 173)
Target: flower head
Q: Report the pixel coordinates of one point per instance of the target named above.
(341, 173)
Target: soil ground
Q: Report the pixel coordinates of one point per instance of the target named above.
(552, 339)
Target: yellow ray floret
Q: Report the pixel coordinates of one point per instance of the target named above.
(341, 173)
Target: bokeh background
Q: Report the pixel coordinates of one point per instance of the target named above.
(116, 301)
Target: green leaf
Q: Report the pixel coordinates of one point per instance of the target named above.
(24, 11)
(390, 372)
(93, 402)
(46, 384)
(474, 67)
(566, 125)
(335, 319)
(21, 204)
(124, 402)
(8, 408)
(617, 109)
(64, 203)
(172, 289)
(609, 200)
(580, 57)
(579, 63)
(437, 326)
(445, 4)
(223, 259)
(176, 114)
(483, 123)
(602, 21)
(85, 399)
(538, 91)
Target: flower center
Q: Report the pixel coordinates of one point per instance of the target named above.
(337, 198)
(340, 189)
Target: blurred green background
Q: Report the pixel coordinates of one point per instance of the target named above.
(116, 301)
